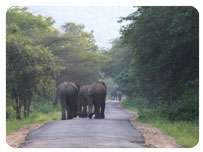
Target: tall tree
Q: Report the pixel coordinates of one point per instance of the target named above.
(40, 56)
(30, 66)
(163, 43)
(78, 54)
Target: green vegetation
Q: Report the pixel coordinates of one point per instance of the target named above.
(157, 57)
(186, 133)
(41, 111)
(14, 124)
(39, 57)
(155, 63)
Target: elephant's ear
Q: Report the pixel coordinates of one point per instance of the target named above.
(90, 91)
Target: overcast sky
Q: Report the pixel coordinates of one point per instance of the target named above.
(101, 19)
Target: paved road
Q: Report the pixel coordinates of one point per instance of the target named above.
(113, 131)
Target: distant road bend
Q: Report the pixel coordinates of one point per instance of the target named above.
(115, 131)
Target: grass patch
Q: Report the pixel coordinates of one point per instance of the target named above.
(186, 133)
(39, 111)
(36, 117)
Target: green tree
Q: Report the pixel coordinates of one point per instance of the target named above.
(39, 57)
(78, 54)
(30, 65)
(118, 68)
(165, 42)
(163, 62)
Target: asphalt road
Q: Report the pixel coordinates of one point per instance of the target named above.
(115, 131)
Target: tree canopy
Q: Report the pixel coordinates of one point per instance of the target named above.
(39, 56)
(157, 57)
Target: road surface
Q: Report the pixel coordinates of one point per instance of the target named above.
(115, 131)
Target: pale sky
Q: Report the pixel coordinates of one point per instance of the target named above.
(101, 19)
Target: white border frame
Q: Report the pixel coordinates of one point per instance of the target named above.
(3, 8)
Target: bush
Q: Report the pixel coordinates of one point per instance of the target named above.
(186, 133)
(44, 106)
(187, 108)
(10, 111)
(38, 106)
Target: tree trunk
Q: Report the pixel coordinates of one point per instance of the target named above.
(28, 107)
(17, 108)
(25, 108)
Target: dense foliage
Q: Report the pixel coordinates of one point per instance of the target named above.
(39, 57)
(157, 57)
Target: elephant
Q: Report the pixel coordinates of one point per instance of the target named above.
(113, 95)
(67, 93)
(96, 99)
(83, 101)
(119, 95)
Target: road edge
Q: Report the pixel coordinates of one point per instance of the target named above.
(149, 142)
(14, 141)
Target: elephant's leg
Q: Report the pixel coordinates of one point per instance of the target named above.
(63, 113)
(63, 110)
(84, 111)
(103, 109)
(80, 110)
(75, 112)
(97, 112)
(80, 100)
(75, 106)
(68, 106)
(69, 112)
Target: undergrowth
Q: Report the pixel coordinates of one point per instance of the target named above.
(186, 133)
(40, 112)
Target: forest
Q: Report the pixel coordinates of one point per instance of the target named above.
(157, 58)
(155, 62)
(39, 57)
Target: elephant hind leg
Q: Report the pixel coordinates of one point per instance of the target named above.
(71, 107)
(63, 109)
(63, 114)
(85, 111)
(97, 112)
(103, 109)
(69, 113)
(80, 111)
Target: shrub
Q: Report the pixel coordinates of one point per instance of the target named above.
(187, 108)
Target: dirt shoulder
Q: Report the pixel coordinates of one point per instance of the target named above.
(15, 139)
(153, 136)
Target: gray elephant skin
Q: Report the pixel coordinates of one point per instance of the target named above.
(67, 93)
(96, 98)
(119, 95)
(113, 95)
(116, 95)
(83, 101)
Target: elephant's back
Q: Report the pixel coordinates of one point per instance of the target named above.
(99, 90)
(67, 90)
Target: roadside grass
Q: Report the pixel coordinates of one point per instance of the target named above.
(39, 112)
(186, 133)
(36, 117)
